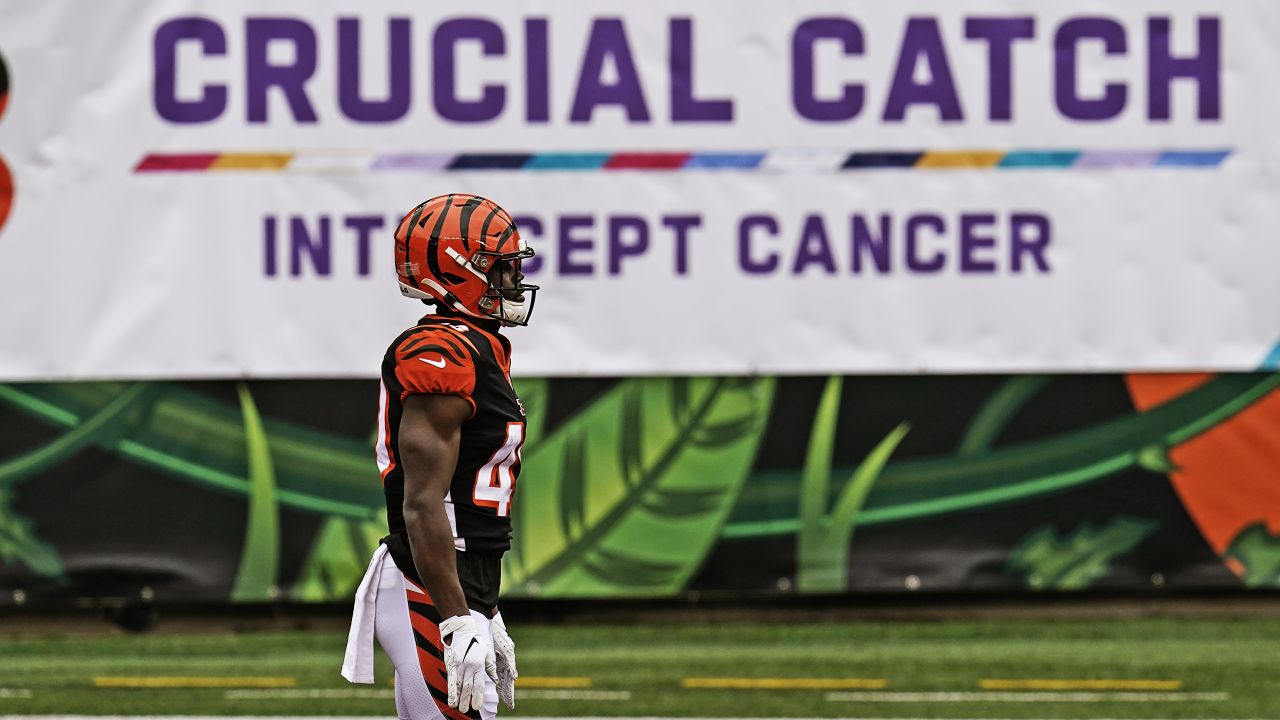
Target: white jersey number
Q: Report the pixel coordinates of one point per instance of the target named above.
(495, 481)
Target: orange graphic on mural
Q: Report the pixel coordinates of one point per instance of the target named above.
(1229, 477)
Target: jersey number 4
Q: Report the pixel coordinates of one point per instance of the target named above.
(496, 480)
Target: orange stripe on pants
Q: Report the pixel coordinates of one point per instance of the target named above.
(433, 669)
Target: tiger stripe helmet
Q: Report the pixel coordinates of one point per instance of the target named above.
(445, 249)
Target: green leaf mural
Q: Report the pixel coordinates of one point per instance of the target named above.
(201, 440)
(106, 423)
(18, 541)
(337, 560)
(923, 487)
(1259, 552)
(823, 558)
(260, 558)
(1073, 562)
(627, 496)
(19, 545)
(999, 409)
(533, 393)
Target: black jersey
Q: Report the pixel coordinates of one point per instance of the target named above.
(448, 354)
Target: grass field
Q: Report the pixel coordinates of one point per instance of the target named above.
(1138, 668)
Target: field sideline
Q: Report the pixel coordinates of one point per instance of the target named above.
(1130, 669)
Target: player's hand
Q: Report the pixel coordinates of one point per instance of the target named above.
(505, 650)
(467, 658)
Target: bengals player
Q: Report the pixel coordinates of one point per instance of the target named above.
(450, 430)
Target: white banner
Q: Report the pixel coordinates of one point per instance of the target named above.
(208, 189)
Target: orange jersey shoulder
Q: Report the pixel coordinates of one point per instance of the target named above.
(436, 359)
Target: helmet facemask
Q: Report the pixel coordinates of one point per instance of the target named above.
(509, 299)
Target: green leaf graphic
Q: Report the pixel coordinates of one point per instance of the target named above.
(626, 497)
(823, 554)
(337, 560)
(932, 486)
(816, 478)
(201, 440)
(534, 394)
(1259, 552)
(260, 558)
(108, 423)
(19, 544)
(924, 487)
(1075, 561)
(996, 413)
(1156, 459)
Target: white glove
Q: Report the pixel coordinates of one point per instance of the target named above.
(467, 658)
(505, 650)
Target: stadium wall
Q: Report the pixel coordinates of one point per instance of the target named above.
(662, 487)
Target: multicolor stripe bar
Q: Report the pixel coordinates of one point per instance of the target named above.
(784, 161)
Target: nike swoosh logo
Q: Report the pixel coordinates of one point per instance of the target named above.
(438, 363)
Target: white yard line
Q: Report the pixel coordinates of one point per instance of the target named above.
(7, 693)
(1027, 697)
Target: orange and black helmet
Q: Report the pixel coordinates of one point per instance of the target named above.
(446, 250)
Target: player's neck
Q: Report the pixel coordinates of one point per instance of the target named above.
(489, 326)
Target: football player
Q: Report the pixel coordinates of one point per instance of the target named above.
(450, 429)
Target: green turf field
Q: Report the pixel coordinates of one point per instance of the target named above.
(1139, 668)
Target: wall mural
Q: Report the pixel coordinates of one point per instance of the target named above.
(662, 487)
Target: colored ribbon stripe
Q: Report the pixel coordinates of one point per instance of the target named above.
(779, 160)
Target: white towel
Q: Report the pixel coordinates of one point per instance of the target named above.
(357, 666)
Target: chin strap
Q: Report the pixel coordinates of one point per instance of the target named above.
(508, 312)
(515, 312)
(449, 299)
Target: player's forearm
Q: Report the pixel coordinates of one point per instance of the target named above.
(431, 541)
